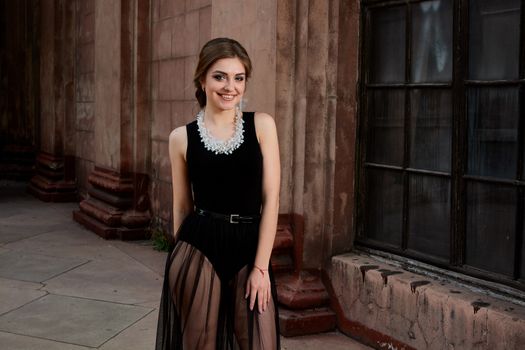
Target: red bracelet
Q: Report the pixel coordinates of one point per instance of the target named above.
(260, 270)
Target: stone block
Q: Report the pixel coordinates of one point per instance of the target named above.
(171, 79)
(12, 298)
(161, 38)
(191, 33)
(85, 116)
(190, 63)
(12, 232)
(121, 280)
(85, 87)
(155, 8)
(83, 168)
(161, 124)
(302, 291)
(191, 108)
(11, 341)
(155, 80)
(34, 267)
(164, 164)
(139, 336)
(165, 200)
(86, 6)
(204, 25)
(293, 323)
(177, 114)
(196, 4)
(170, 8)
(416, 311)
(177, 37)
(85, 146)
(86, 30)
(72, 320)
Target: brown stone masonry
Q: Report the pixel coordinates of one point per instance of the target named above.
(117, 205)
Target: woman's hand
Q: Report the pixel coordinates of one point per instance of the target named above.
(258, 288)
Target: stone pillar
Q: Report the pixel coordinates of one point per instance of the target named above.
(315, 109)
(117, 203)
(316, 84)
(54, 178)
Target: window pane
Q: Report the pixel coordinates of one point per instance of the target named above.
(493, 132)
(494, 33)
(432, 41)
(429, 215)
(387, 45)
(522, 270)
(491, 219)
(384, 206)
(386, 115)
(430, 129)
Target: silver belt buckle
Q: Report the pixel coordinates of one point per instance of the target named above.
(232, 217)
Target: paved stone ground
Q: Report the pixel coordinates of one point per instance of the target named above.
(64, 288)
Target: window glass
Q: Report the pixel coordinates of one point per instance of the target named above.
(386, 111)
(429, 215)
(491, 227)
(493, 131)
(494, 34)
(522, 269)
(384, 206)
(432, 41)
(430, 129)
(387, 45)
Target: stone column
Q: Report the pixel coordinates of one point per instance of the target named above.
(54, 178)
(117, 203)
(316, 84)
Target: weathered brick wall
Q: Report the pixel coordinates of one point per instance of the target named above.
(84, 91)
(179, 29)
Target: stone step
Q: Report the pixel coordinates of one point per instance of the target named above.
(282, 263)
(301, 291)
(283, 238)
(302, 322)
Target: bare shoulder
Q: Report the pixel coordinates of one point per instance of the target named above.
(264, 124)
(178, 140)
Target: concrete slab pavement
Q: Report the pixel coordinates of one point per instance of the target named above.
(64, 288)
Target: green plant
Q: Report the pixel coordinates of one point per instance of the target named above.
(160, 239)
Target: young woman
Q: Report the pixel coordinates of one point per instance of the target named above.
(218, 289)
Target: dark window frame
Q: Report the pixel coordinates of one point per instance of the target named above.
(459, 144)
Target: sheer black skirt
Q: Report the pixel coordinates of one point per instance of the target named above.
(203, 304)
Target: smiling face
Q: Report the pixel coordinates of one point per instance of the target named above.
(224, 84)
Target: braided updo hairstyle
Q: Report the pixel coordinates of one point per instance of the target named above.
(212, 51)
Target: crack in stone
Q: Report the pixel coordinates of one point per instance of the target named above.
(415, 284)
(479, 304)
(365, 268)
(385, 273)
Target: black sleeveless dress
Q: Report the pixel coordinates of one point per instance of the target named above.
(203, 304)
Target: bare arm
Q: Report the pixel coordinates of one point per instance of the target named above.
(259, 283)
(182, 198)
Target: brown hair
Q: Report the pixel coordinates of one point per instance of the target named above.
(212, 51)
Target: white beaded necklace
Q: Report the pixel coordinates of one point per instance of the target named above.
(222, 146)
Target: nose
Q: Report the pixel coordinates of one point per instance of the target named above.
(228, 85)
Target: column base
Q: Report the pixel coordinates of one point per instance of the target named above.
(112, 210)
(54, 180)
(107, 232)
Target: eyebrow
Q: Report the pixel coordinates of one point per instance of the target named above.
(221, 72)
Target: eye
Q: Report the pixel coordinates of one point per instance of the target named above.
(239, 78)
(218, 77)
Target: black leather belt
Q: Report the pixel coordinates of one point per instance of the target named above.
(231, 218)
